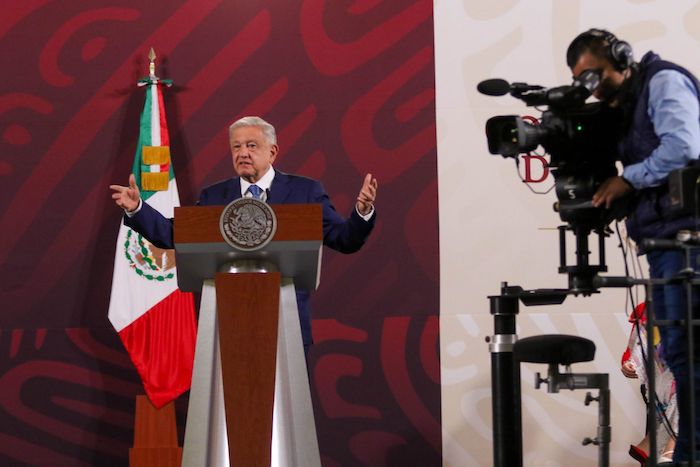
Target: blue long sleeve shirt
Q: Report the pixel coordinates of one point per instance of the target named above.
(674, 111)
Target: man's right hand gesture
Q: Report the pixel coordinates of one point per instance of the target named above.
(127, 197)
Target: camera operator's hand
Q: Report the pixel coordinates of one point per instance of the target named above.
(611, 189)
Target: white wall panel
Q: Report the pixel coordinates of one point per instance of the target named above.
(493, 229)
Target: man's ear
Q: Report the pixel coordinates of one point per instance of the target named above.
(274, 150)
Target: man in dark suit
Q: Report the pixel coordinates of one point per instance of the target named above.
(253, 150)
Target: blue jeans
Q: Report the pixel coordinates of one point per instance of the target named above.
(670, 303)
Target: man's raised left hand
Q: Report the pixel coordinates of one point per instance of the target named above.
(367, 195)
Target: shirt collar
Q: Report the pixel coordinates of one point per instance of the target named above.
(264, 183)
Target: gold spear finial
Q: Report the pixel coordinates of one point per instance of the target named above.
(152, 64)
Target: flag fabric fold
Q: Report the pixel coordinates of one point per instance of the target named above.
(155, 321)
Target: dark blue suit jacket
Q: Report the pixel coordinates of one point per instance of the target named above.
(344, 235)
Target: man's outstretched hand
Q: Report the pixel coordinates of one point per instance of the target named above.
(126, 197)
(367, 195)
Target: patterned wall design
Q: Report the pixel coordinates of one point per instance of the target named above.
(350, 87)
(493, 229)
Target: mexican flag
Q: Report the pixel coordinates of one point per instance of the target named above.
(155, 321)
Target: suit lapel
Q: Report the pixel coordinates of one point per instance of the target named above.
(279, 191)
(234, 189)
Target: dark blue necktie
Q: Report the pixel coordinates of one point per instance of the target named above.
(256, 191)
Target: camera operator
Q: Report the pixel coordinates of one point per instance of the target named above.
(660, 102)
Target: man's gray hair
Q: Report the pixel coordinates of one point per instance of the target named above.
(267, 129)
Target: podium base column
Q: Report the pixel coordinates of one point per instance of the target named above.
(206, 442)
(294, 441)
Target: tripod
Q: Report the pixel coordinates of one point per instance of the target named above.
(583, 279)
(505, 363)
(507, 352)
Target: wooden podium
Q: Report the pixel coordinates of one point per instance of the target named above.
(250, 403)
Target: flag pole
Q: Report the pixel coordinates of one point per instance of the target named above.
(152, 65)
(155, 430)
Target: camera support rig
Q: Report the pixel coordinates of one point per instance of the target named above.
(581, 274)
(584, 280)
(581, 140)
(505, 367)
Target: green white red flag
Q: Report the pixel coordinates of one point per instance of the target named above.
(155, 321)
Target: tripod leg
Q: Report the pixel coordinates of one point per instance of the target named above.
(604, 425)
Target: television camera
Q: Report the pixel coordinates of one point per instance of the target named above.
(581, 141)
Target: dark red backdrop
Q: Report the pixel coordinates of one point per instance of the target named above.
(350, 87)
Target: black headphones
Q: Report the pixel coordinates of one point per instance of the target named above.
(619, 52)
